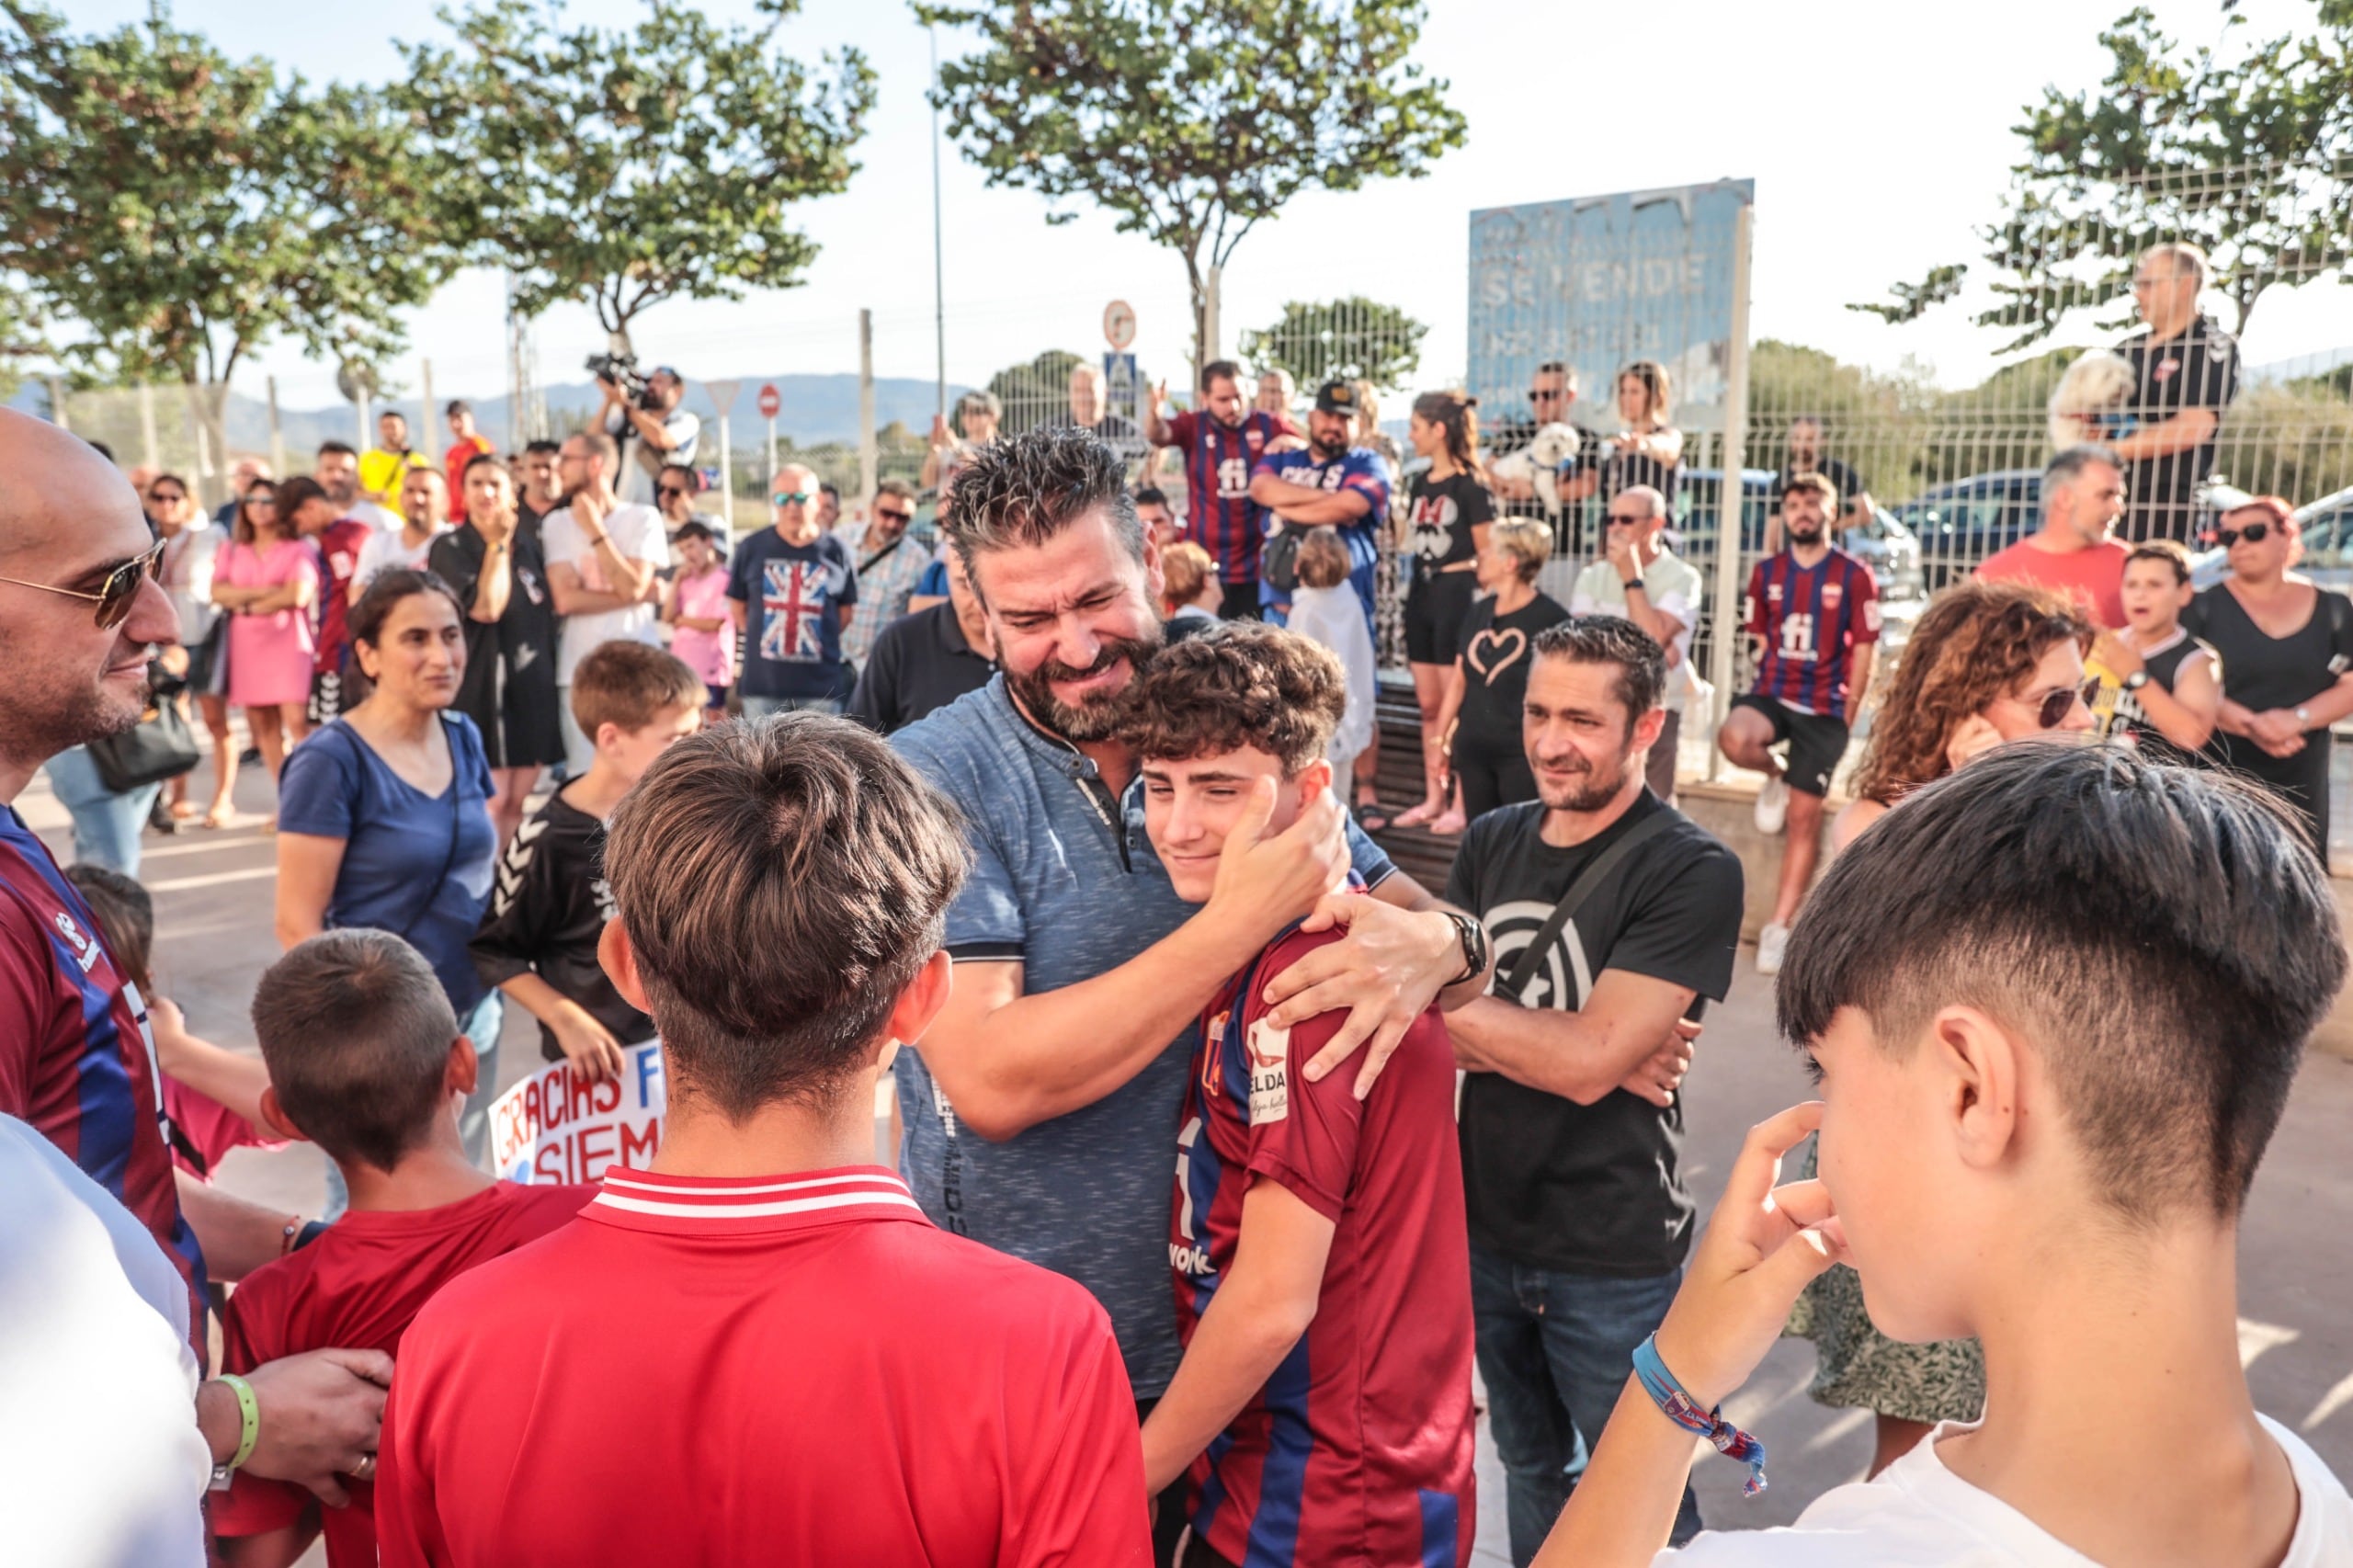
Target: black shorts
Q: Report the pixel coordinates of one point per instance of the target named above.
(1816, 742)
(1437, 604)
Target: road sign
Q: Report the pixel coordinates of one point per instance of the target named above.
(1120, 324)
(771, 401)
(1121, 384)
(722, 393)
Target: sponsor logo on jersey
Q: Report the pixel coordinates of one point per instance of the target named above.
(86, 948)
(1269, 1051)
(1188, 1257)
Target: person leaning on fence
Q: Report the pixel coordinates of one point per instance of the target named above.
(1647, 448)
(977, 413)
(1552, 393)
(1639, 578)
(2186, 371)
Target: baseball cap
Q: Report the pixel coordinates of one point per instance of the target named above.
(1336, 397)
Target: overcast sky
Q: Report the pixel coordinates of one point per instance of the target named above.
(1877, 134)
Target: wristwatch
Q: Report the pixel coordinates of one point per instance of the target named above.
(2304, 717)
(1631, 584)
(2136, 681)
(1476, 949)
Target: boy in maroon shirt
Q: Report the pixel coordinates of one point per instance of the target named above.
(366, 1060)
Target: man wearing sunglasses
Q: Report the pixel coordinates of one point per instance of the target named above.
(889, 563)
(80, 612)
(2186, 371)
(657, 431)
(792, 589)
(2082, 496)
(1552, 393)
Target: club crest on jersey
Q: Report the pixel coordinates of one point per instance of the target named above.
(1269, 1051)
(1831, 593)
(86, 948)
(1773, 591)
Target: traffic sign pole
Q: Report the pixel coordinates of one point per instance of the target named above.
(771, 404)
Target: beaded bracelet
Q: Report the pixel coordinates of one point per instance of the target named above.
(1683, 1411)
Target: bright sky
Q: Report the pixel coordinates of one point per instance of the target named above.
(1878, 135)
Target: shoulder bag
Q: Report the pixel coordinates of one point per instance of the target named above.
(1512, 982)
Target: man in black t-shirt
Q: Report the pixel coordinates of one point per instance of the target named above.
(1571, 1133)
(924, 661)
(2184, 372)
(1804, 455)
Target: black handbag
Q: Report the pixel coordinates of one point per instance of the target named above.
(160, 746)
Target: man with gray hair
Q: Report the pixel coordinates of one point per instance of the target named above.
(1641, 580)
(2083, 495)
(1090, 410)
(792, 589)
(2186, 371)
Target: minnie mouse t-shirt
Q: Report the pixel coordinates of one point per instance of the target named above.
(1496, 652)
(1440, 516)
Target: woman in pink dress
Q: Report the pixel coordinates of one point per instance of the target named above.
(700, 631)
(267, 580)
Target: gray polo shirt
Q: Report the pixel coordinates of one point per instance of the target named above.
(1065, 882)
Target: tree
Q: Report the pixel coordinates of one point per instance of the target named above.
(2240, 151)
(624, 168)
(1356, 338)
(183, 210)
(1035, 393)
(1191, 120)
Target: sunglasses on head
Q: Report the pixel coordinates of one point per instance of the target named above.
(792, 498)
(115, 594)
(2254, 533)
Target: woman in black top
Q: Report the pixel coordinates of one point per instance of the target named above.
(2166, 685)
(1447, 511)
(1490, 683)
(1647, 450)
(2286, 652)
(508, 689)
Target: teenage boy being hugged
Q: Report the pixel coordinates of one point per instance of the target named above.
(758, 1349)
(364, 1061)
(538, 940)
(1612, 914)
(2048, 1070)
(1323, 1407)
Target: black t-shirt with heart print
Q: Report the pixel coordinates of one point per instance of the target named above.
(1496, 652)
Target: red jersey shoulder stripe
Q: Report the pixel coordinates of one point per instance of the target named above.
(838, 1194)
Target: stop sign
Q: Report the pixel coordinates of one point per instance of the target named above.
(770, 400)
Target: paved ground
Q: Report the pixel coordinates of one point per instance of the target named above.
(212, 894)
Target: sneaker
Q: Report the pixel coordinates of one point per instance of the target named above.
(1773, 806)
(1770, 944)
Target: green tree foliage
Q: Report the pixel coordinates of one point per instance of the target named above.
(1358, 338)
(624, 168)
(181, 210)
(1190, 121)
(1036, 393)
(2241, 149)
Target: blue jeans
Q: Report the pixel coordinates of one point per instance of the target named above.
(481, 1027)
(106, 826)
(761, 706)
(1555, 1351)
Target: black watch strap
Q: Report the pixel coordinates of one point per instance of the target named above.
(1475, 951)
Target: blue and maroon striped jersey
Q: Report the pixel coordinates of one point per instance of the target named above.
(1359, 1450)
(1807, 621)
(77, 1054)
(1219, 461)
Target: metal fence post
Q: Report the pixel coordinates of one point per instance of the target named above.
(1725, 614)
(870, 456)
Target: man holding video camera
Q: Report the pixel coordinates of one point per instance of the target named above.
(649, 422)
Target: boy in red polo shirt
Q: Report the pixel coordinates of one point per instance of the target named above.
(759, 1350)
(366, 1060)
(1319, 1242)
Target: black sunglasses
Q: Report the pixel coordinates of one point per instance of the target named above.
(115, 594)
(162, 495)
(1629, 519)
(2254, 533)
(672, 490)
(886, 515)
(2059, 704)
(1538, 395)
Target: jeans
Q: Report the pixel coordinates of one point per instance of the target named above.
(761, 706)
(1555, 1351)
(106, 826)
(480, 1026)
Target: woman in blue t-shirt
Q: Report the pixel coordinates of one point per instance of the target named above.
(383, 815)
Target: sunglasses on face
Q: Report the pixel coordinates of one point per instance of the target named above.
(1539, 394)
(115, 594)
(2054, 710)
(1630, 518)
(164, 497)
(672, 490)
(2254, 533)
(890, 516)
(792, 498)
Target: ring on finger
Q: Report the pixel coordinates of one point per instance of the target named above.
(365, 1468)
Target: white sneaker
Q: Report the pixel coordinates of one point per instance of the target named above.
(1773, 806)
(1770, 944)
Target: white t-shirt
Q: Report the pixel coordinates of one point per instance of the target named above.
(1334, 616)
(384, 551)
(100, 1459)
(638, 534)
(641, 461)
(1673, 588)
(1920, 1515)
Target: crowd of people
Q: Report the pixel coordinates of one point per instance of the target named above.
(1230, 1149)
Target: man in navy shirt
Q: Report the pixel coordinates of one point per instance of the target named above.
(1329, 483)
(791, 589)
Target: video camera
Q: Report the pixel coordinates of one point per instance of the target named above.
(622, 372)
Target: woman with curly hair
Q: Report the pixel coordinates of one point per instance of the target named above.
(1988, 662)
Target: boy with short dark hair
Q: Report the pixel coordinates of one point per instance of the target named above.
(2048, 1070)
(1323, 1408)
(364, 1061)
(538, 940)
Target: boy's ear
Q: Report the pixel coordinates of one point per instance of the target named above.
(274, 1120)
(1981, 1066)
(920, 1003)
(464, 1069)
(1314, 780)
(620, 964)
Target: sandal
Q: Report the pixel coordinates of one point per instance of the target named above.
(1372, 816)
(1416, 815)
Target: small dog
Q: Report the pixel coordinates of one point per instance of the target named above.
(1539, 462)
(2087, 406)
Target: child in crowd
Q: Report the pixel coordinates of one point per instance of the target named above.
(2048, 1069)
(2163, 688)
(1190, 592)
(538, 942)
(212, 1096)
(700, 633)
(366, 1060)
(1322, 1408)
(1324, 609)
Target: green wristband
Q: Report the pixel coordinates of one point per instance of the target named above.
(248, 1417)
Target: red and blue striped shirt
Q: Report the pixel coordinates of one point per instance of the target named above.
(1219, 461)
(1808, 620)
(1359, 1448)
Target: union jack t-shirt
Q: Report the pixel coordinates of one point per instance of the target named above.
(1808, 620)
(793, 596)
(1359, 1448)
(1219, 461)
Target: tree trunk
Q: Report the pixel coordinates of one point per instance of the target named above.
(209, 402)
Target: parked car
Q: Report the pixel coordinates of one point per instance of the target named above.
(1891, 550)
(1960, 524)
(2327, 528)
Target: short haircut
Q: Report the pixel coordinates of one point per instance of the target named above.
(1150, 495)
(356, 1032)
(479, 459)
(294, 493)
(1185, 570)
(457, 405)
(384, 593)
(2068, 466)
(1019, 491)
(1528, 541)
(1322, 560)
(1654, 501)
(1219, 371)
(2172, 552)
(630, 684)
(827, 487)
(2185, 258)
(1563, 368)
(782, 881)
(335, 448)
(541, 448)
(1240, 683)
(599, 443)
(1812, 484)
(384, 414)
(2161, 935)
(1612, 640)
(898, 487)
(978, 402)
(694, 478)
(125, 912)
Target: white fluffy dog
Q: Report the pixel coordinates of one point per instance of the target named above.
(2089, 403)
(1539, 462)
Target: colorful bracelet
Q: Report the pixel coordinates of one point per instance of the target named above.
(1683, 1411)
(249, 1418)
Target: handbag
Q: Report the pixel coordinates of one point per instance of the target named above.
(160, 746)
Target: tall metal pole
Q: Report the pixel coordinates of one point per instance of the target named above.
(938, 246)
(869, 454)
(1725, 614)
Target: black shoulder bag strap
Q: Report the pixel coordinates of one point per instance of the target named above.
(1595, 870)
